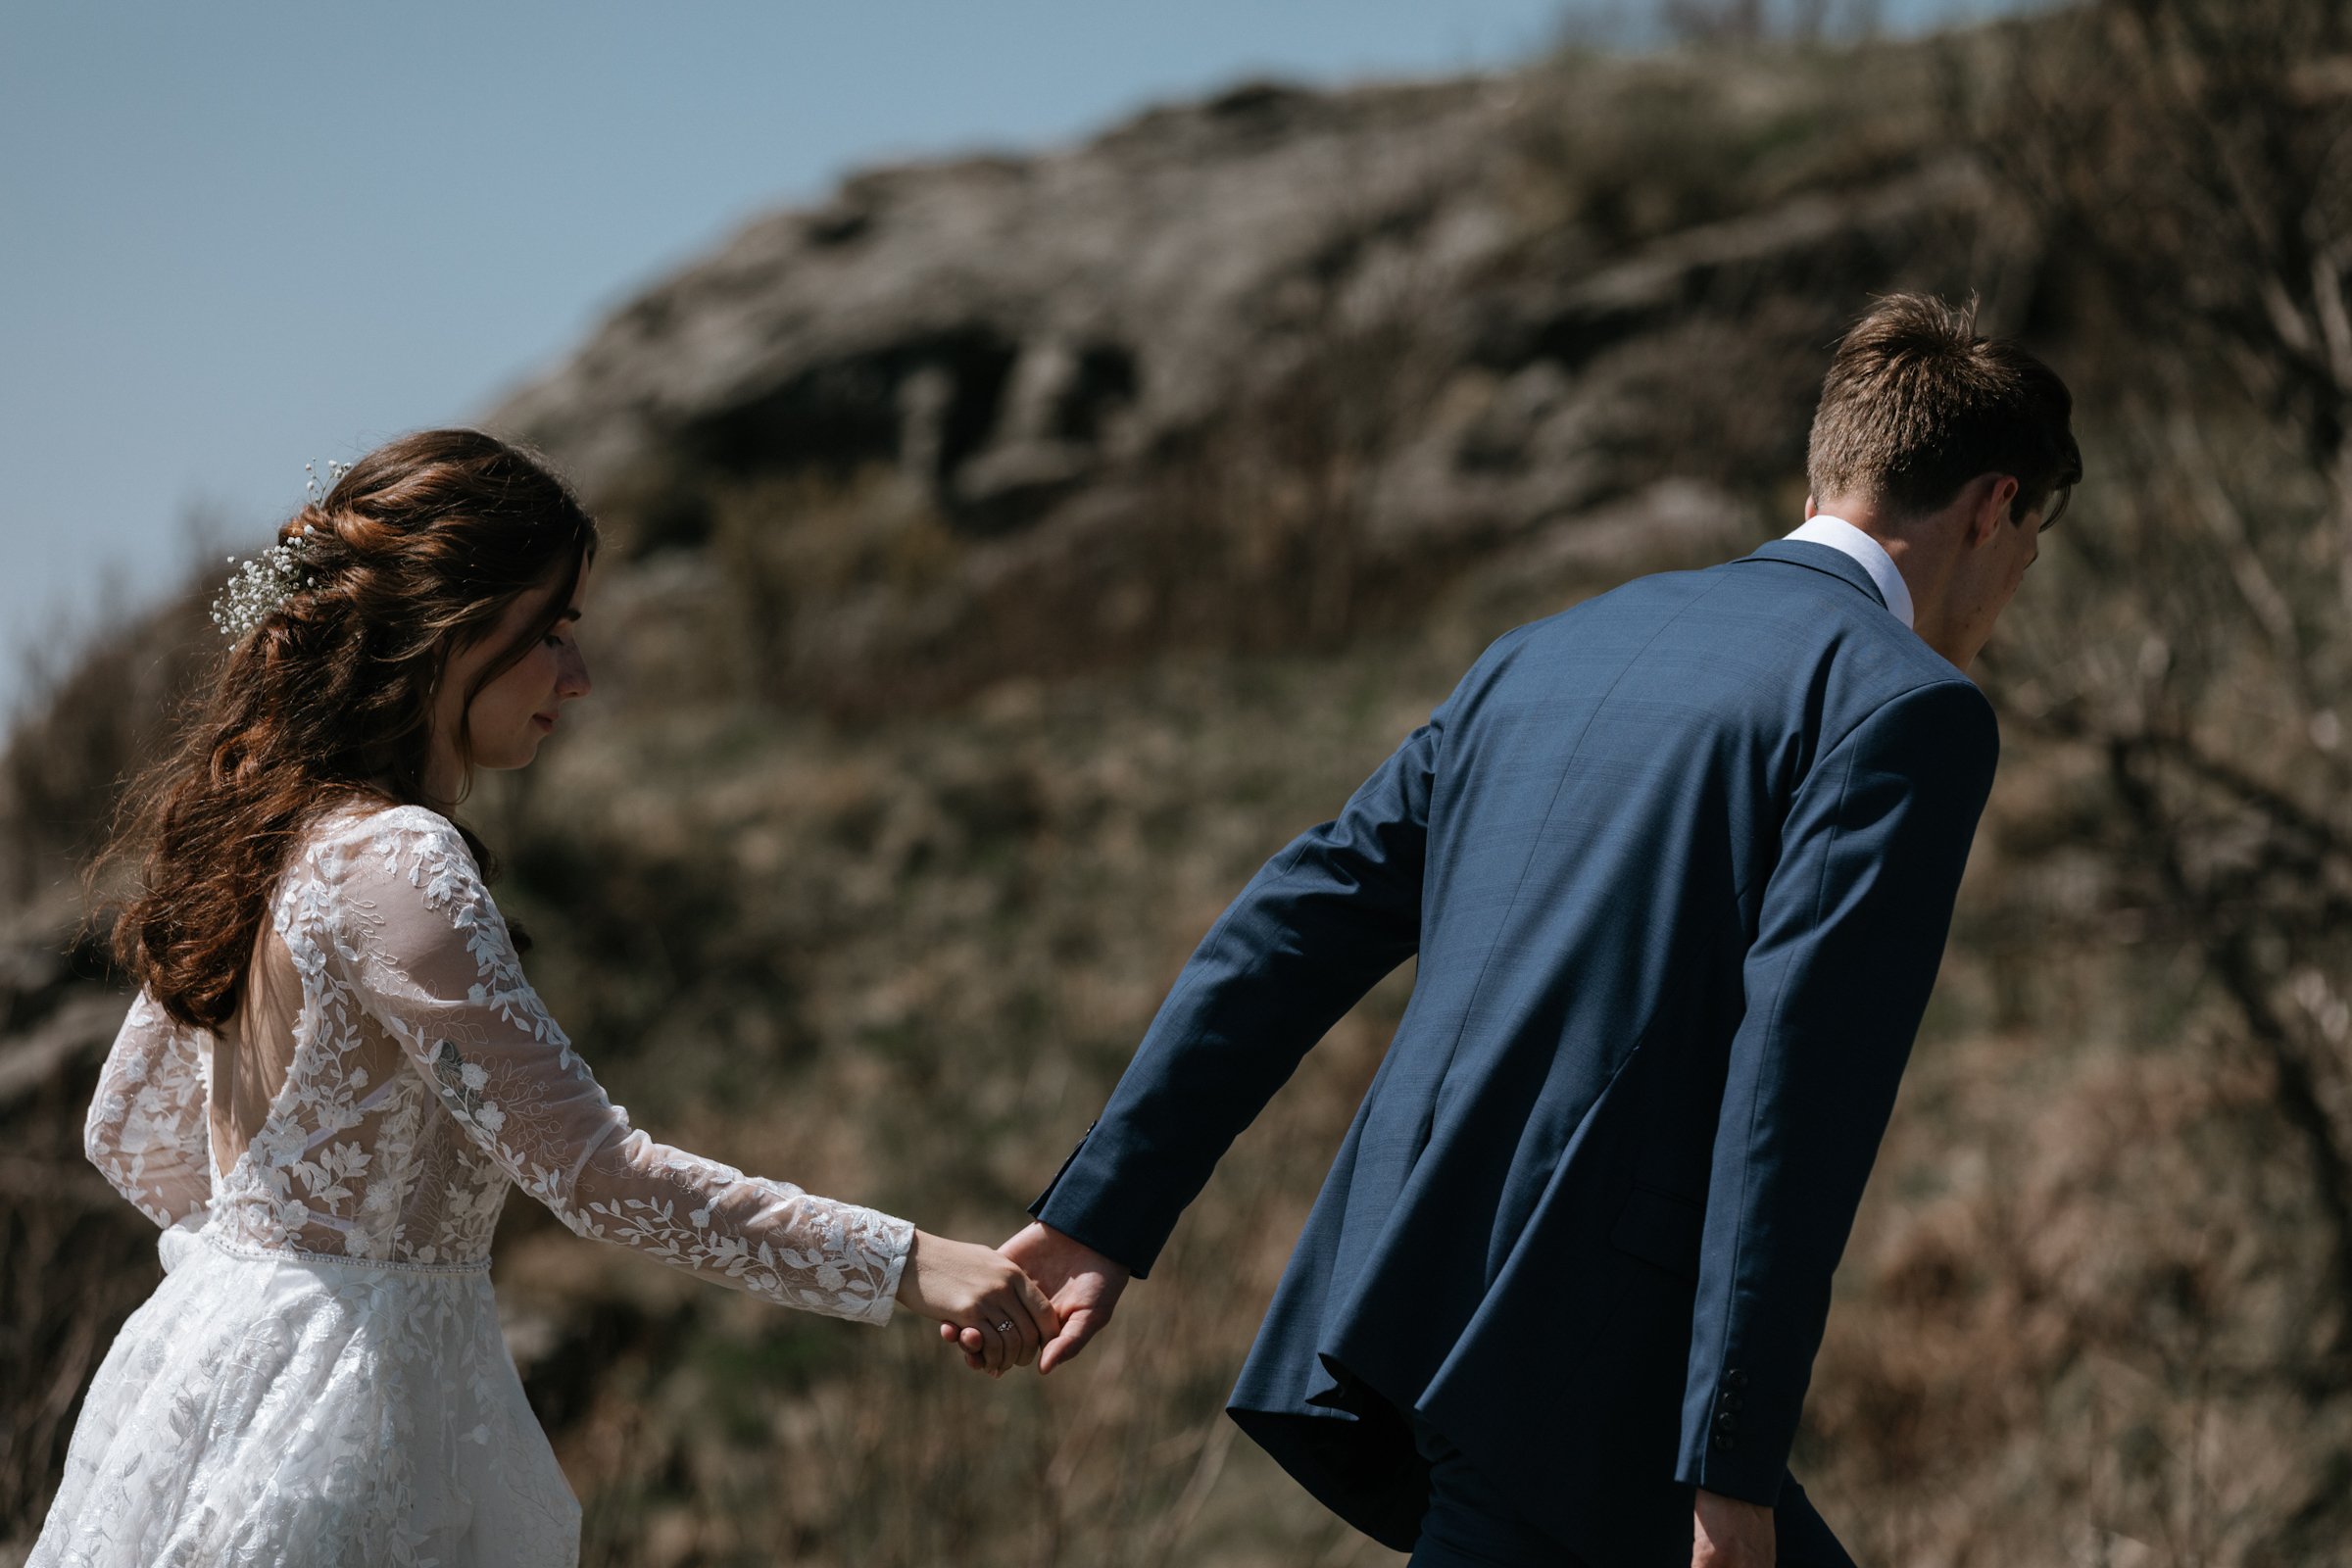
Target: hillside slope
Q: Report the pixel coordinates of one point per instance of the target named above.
(1005, 558)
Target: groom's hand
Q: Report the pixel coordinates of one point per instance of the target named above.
(1725, 1533)
(1083, 1284)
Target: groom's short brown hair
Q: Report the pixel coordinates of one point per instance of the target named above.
(1916, 404)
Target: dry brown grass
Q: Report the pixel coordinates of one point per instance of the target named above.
(869, 865)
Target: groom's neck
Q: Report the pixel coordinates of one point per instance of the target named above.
(1921, 549)
(1903, 544)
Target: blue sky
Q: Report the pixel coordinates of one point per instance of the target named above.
(241, 235)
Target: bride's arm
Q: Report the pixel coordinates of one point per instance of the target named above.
(420, 946)
(146, 1127)
(426, 954)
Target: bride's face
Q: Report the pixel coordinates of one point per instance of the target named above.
(521, 706)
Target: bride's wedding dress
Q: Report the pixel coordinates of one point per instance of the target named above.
(319, 1379)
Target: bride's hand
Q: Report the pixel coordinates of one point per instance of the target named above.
(978, 1288)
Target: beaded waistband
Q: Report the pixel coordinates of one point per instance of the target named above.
(279, 1254)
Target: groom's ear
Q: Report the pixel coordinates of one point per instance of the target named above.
(1986, 500)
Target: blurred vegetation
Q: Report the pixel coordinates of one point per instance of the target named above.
(874, 854)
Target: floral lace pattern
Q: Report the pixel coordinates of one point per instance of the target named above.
(320, 1377)
(147, 1118)
(271, 1410)
(427, 1075)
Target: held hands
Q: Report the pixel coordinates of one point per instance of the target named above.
(983, 1295)
(1086, 1287)
(1725, 1533)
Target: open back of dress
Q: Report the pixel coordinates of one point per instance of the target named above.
(320, 1377)
(253, 1055)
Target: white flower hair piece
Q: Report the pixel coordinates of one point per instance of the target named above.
(335, 476)
(260, 587)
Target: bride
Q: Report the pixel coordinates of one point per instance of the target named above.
(335, 1067)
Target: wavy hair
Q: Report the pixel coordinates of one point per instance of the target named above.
(415, 553)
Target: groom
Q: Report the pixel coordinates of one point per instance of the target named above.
(1678, 866)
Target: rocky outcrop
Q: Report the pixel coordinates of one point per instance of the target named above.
(1006, 332)
(1249, 370)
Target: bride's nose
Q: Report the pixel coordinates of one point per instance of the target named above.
(572, 682)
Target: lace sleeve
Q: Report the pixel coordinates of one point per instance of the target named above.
(428, 957)
(146, 1127)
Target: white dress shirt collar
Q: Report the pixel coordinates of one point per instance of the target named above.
(1840, 534)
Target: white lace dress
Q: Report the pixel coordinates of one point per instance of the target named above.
(319, 1379)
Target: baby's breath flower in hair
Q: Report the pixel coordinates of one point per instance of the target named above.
(261, 586)
(310, 480)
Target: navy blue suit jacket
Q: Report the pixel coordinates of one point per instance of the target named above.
(1678, 864)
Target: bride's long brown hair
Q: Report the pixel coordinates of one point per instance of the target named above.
(415, 553)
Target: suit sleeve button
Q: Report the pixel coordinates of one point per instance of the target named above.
(1728, 1401)
(1724, 1421)
(1735, 1379)
(1725, 1442)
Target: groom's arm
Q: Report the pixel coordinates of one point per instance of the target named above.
(1851, 932)
(1314, 930)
